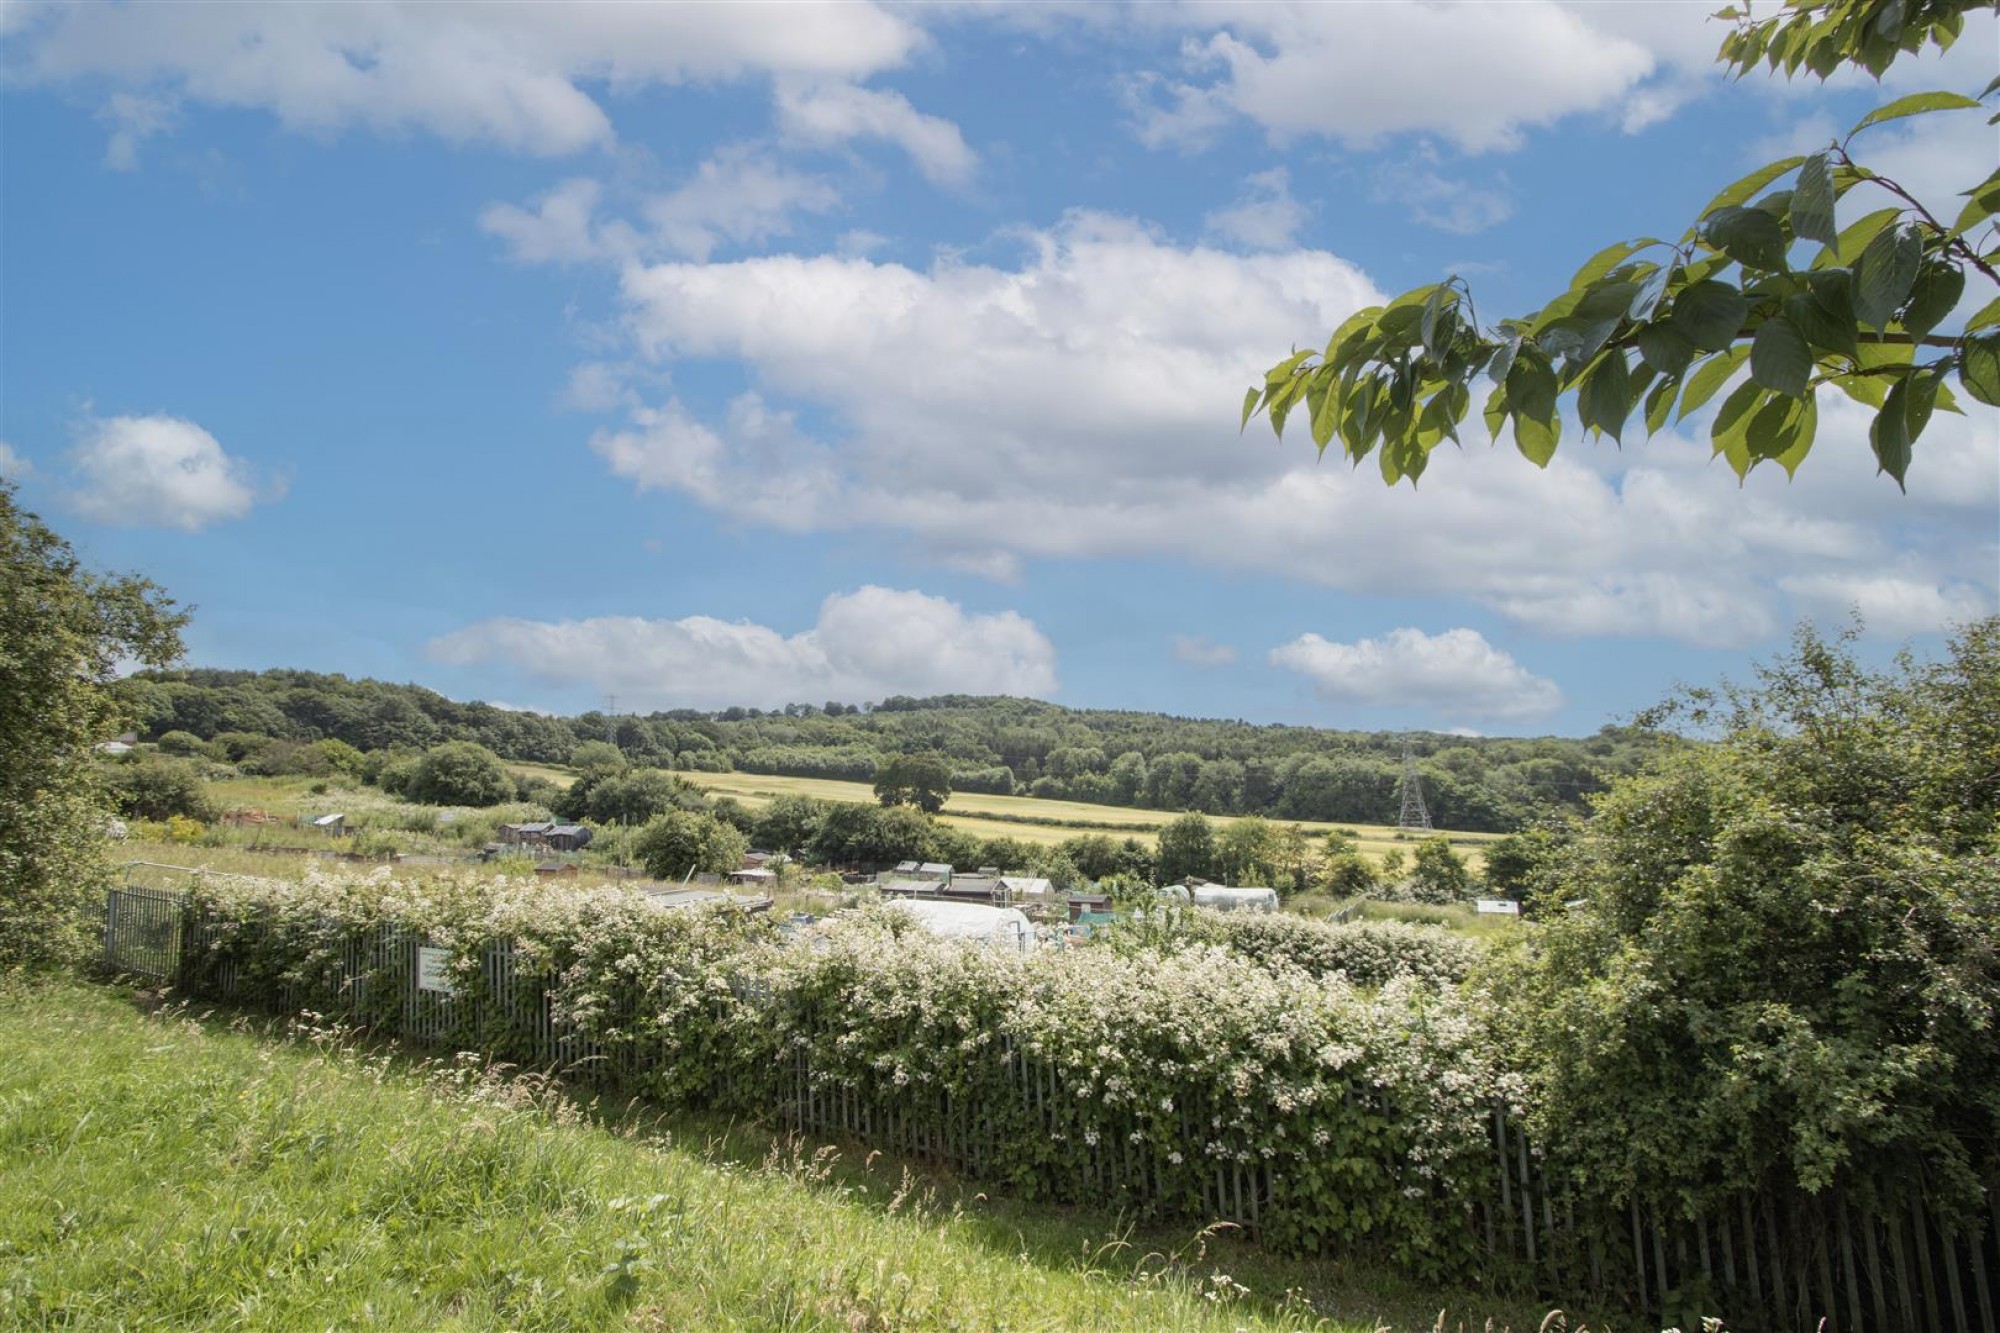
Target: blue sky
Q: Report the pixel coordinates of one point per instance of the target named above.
(704, 355)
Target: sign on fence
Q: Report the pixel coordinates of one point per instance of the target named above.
(434, 970)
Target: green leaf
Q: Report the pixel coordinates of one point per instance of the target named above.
(1889, 435)
(1664, 349)
(1496, 411)
(1979, 369)
(1250, 400)
(1915, 104)
(1884, 273)
(1651, 292)
(1537, 438)
(1711, 376)
(1660, 403)
(1503, 360)
(1782, 430)
(1750, 184)
(1857, 235)
(1750, 236)
(1709, 314)
(1610, 257)
(1780, 360)
(1820, 327)
(1933, 296)
(1985, 317)
(1812, 202)
(1983, 202)
(1532, 385)
(1353, 333)
(1604, 399)
(1282, 372)
(1731, 432)
(1427, 329)
(1324, 400)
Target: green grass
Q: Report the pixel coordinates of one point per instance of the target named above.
(169, 1171)
(989, 816)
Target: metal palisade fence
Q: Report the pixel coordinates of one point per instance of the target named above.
(1767, 1260)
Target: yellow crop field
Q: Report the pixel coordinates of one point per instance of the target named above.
(989, 816)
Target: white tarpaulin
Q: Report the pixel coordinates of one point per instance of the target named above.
(996, 927)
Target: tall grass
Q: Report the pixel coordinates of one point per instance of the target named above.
(165, 1172)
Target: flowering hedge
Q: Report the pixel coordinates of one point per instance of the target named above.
(1366, 953)
(1186, 1081)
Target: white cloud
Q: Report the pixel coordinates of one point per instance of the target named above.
(866, 644)
(1449, 203)
(1888, 603)
(1089, 411)
(827, 115)
(158, 471)
(1454, 673)
(1264, 216)
(12, 465)
(133, 119)
(1477, 74)
(505, 74)
(1197, 651)
(738, 196)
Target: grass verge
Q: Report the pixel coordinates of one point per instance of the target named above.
(171, 1170)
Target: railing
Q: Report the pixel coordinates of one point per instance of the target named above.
(1769, 1261)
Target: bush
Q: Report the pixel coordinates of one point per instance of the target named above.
(1783, 968)
(459, 773)
(1366, 953)
(680, 843)
(182, 744)
(1439, 875)
(1368, 1113)
(157, 789)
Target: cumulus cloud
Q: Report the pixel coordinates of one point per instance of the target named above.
(1456, 673)
(738, 196)
(12, 465)
(1197, 651)
(159, 471)
(1264, 216)
(826, 115)
(1477, 74)
(1087, 410)
(866, 644)
(510, 75)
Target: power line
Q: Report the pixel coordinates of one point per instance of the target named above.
(1415, 815)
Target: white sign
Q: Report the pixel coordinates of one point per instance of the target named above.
(434, 971)
(1498, 906)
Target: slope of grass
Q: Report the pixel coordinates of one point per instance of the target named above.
(169, 1171)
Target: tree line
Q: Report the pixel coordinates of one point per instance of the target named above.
(998, 745)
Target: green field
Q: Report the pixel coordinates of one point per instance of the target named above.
(173, 1171)
(993, 816)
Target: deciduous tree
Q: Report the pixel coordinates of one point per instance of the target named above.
(64, 631)
(1811, 272)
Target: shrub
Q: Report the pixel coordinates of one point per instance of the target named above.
(680, 843)
(182, 744)
(157, 788)
(459, 773)
(1360, 1118)
(1782, 969)
(1366, 953)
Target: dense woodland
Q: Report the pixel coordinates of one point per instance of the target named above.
(1002, 745)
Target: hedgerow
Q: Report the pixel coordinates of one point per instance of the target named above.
(1366, 953)
(1164, 1080)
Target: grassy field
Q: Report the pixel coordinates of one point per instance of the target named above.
(161, 1170)
(990, 816)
